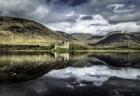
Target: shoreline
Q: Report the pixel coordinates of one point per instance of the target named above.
(78, 51)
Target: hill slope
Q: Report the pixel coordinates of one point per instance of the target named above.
(121, 40)
(137, 35)
(86, 37)
(18, 31)
(64, 35)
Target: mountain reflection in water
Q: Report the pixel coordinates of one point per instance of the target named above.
(74, 74)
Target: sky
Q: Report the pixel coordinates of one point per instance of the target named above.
(98, 17)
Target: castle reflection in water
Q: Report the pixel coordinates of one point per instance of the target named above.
(65, 56)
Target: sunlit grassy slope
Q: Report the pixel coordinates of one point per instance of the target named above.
(17, 31)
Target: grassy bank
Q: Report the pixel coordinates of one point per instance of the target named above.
(37, 48)
(75, 51)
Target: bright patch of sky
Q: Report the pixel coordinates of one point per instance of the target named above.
(85, 16)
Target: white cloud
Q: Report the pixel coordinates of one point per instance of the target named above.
(68, 19)
(31, 9)
(124, 10)
(122, 27)
(81, 26)
(116, 6)
(97, 26)
(60, 26)
(121, 8)
(72, 13)
(41, 12)
(7, 6)
(125, 27)
(87, 26)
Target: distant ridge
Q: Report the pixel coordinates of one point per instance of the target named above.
(86, 37)
(19, 31)
(137, 35)
(65, 35)
(118, 39)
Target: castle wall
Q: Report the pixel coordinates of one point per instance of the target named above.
(64, 45)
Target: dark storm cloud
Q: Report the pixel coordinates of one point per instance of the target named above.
(67, 2)
(66, 14)
(102, 7)
(31, 9)
(86, 18)
(45, 10)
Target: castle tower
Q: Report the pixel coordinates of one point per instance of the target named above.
(64, 44)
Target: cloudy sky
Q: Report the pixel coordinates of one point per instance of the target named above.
(85, 16)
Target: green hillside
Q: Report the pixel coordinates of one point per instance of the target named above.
(17, 31)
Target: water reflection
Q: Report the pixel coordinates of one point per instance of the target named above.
(119, 59)
(24, 67)
(74, 74)
(96, 74)
(65, 56)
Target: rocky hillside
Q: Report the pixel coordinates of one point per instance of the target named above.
(94, 38)
(64, 35)
(122, 40)
(19, 31)
(137, 35)
(86, 37)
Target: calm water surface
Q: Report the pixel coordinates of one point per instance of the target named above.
(70, 74)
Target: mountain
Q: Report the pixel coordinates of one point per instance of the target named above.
(137, 35)
(19, 31)
(65, 35)
(81, 36)
(16, 33)
(86, 37)
(95, 37)
(121, 40)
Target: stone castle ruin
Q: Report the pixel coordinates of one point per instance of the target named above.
(63, 45)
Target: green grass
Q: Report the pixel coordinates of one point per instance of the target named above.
(37, 48)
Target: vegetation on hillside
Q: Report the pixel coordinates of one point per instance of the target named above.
(23, 34)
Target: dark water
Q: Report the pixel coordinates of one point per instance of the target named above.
(74, 74)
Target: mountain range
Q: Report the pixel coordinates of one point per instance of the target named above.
(119, 40)
(86, 37)
(20, 31)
